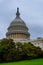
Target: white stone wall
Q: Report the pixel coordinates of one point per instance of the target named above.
(36, 42)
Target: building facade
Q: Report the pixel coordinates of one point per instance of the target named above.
(18, 31)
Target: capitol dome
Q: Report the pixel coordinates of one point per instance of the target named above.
(18, 28)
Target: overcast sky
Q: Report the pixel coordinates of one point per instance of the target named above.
(31, 12)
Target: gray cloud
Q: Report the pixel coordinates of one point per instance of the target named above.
(31, 12)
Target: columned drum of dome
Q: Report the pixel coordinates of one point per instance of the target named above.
(18, 29)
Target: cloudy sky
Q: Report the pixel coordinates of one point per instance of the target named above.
(31, 12)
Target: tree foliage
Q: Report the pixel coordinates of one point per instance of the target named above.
(11, 51)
